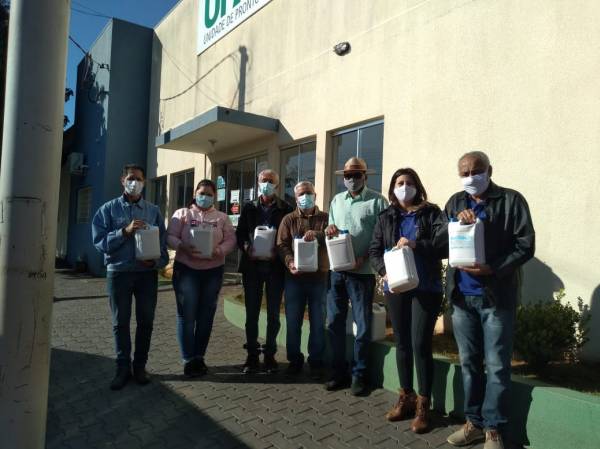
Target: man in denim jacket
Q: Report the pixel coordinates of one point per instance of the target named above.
(113, 230)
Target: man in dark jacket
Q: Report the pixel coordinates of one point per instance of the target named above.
(261, 274)
(484, 297)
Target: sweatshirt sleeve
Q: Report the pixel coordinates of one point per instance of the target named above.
(175, 228)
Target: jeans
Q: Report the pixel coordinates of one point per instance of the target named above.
(122, 285)
(259, 277)
(197, 294)
(359, 288)
(298, 293)
(484, 333)
(413, 315)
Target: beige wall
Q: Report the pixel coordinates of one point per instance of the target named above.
(517, 79)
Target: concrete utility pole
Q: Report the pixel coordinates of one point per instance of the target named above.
(29, 180)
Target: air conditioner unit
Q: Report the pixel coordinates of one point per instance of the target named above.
(75, 164)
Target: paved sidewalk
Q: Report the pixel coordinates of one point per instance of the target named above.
(225, 409)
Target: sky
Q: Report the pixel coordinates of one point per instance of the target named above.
(87, 23)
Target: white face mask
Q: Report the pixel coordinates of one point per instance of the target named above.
(476, 184)
(133, 187)
(405, 193)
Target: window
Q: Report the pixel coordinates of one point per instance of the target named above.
(365, 142)
(183, 189)
(159, 194)
(297, 164)
(84, 204)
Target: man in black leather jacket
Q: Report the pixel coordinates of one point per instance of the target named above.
(484, 297)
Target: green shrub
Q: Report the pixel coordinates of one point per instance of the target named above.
(551, 331)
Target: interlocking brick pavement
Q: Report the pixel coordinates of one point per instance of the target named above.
(224, 409)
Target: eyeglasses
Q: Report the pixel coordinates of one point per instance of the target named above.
(355, 175)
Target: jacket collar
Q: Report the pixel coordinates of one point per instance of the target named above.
(493, 191)
(298, 212)
(277, 202)
(139, 203)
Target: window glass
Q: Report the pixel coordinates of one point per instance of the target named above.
(297, 164)
(365, 142)
(84, 204)
(159, 194)
(183, 186)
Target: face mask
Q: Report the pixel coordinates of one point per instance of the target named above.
(134, 187)
(405, 193)
(204, 201)
(306, 201)
(266, 188)
(476, 184)
(354, 185)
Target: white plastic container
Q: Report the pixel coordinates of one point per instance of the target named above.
(306, 257)
(377, 323)
(340, 252)
(264, 242)
(147, 243)
(466, 244)
(201, 238)
(401, 269)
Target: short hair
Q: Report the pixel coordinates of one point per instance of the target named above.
(420, 196)
(268, 171)
(128, 167)
(304, 184)
(479, 155)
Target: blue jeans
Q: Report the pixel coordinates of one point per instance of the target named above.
(122, 285)
(258, 277)
(196, 294)
(359, 288)
(484, 333)
(298, 292)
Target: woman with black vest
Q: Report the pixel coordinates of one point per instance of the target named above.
(410, 220)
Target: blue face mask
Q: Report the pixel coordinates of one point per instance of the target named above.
(306, 201)
(266, 188)
(204, 201)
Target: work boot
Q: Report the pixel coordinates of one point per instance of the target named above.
(404, 408)
(493, 440)
(466, 435)
(140, 375)
(252, 364)
(337, 383)
(421, 422)
(271, 365)
(359, 387)
(121, 377)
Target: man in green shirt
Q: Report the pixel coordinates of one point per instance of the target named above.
(356, 211)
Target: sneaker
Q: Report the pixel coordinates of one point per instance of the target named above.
(271, 365)
(294, 368)
(337, 383)
(140, 375)
(121, 378)
(466, 435)
(359, 387)
(404, 408)
(252, 364)
(493, 440)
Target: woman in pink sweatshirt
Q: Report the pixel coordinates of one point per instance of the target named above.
(197, 276)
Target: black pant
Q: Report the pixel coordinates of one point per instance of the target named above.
(262, 275)
(413, 315)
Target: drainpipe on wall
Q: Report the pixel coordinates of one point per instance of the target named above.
(29, 187)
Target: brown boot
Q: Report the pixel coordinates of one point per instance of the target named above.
(421, 422)
(404, 408)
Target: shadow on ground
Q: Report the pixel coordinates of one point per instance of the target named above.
(83, 412)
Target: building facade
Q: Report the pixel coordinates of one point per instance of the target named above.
(110, 130)
(422, 83)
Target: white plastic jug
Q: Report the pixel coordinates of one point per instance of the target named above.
(466, 244)
(147, 243)
(377, 322)
(340, 252)
(201, 238)
(264, 242)
(401, 269)
(306, 255)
